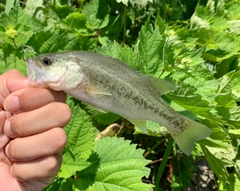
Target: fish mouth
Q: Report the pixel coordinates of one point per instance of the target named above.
(31, 70)
(33, 79)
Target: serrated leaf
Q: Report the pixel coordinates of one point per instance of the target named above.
(116, 165)
(233, 10)
(120, 52)
(80, 143)
(234, 26)
(231, 116)
(219, 159)
(190, 101)
(142, 3)
(11, 59)
(233, 79)
(150, 50)
(18, 26)
(52, 41)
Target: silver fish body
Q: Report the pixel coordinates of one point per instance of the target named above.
(108, 84)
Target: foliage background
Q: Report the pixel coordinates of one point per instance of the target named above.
(195, 44)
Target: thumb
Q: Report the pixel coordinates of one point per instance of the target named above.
(11, 81)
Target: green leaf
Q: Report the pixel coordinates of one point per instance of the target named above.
(233, 183)
(102, 118)
(18, 27)
(149, 49)
(60, 184)
(231, 116)
(113, 29)
(77, 22)
(187, 99)
(120, 52)
(97, 13)
(11, 59)
(80, 143)
(116, 165)
(233, 10)
(32, 5)
(219, 159)
(142, 3)
(53, 41)
(9, 5)
(235, 85)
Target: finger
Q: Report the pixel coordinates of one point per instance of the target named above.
(3, 138)
(28, 99)
(11, 81)
(42, 168)
(36, 146)
(55, 114)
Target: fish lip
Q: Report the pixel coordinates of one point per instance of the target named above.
(32, 75)
(31, 70)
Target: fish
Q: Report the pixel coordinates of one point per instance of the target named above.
(108, 84)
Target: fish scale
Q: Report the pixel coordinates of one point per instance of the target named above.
(108, 84)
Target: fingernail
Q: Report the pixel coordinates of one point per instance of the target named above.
(7, 128)
(11, 104)
(6, 151)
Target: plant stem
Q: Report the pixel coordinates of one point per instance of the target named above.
(163, 164)
(124, 24)
(154, 147)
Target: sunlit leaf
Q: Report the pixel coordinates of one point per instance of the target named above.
(116, 165)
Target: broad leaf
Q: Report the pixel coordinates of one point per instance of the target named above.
(80, 144)
(116, 165)
(96, 12)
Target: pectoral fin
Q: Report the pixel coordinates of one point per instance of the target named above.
(163, 86)
(96, 90)
(139, 124)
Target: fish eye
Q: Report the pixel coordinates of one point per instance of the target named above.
(46, 61)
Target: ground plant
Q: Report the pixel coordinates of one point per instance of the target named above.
(193, 44)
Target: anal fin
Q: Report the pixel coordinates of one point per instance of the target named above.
(141, 124)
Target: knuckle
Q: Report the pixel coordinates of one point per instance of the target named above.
(17, 126)
(64, 112)
(51, 164)
(59, 139)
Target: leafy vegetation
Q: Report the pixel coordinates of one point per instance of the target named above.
(194, 44)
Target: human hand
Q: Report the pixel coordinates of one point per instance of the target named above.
(31, 134)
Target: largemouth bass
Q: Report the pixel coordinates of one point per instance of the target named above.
(108, 84)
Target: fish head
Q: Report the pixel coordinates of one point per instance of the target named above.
(59, 71)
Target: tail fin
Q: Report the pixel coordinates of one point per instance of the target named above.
(188, 137)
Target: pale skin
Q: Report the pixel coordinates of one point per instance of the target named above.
(31, 133)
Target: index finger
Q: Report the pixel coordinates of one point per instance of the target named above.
(28, 99)
(11, 81)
